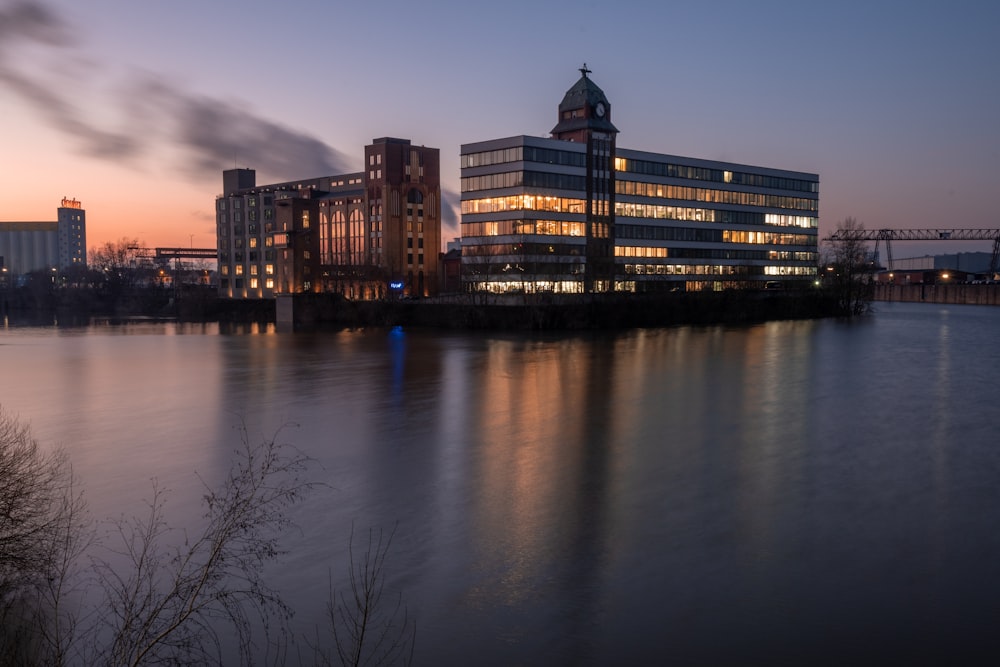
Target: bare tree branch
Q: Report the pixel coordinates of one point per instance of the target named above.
(170, 602)
(42, 529)
(367, 631)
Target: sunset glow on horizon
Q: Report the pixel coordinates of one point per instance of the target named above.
(136, 112)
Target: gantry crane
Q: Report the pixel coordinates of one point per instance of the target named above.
(889, 235)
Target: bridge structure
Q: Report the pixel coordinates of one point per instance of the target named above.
(164, 255)
(187, 253)
(890, 235)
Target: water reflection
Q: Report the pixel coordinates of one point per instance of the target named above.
(582, 499)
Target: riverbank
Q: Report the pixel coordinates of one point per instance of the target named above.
(460, 311)
(952, 293)
(552, 312)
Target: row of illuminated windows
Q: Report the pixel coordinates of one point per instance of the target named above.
(790, 270)
(666, 170)
(717, 270)
(253, 270)
(694, 253)
(658, 212)
(515, 227)
(656, 232)
(531, 179)
(661, 191)
(521, 272)
(715, 253)
(632, 232)
(252, 242)
(770, 238)
(537, 250)
(254, 283)
(524, 203)
(778, 220)
(625, 209)
(660, 233)
(503, 285)
(689, 269)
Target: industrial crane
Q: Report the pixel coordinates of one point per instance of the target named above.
(889, 235)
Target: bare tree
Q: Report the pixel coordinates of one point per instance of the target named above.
(122, 263)
(849, 269)
(366, 630)
(42, 531)
(168, 602)
(162, 596)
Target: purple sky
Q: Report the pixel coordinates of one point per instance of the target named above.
(135, 108)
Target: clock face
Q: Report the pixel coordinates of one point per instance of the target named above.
(599, 110)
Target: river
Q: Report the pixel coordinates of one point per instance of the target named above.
(808, 492)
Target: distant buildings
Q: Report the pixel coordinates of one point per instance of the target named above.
(364, 235)
(42, 246)
(574, 213)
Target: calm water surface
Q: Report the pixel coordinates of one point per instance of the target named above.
(794, 492)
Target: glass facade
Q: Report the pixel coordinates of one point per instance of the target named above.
(675, 223)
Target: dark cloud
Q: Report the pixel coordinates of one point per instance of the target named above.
(27, 24)
(31, 21)
(211, 133)
(451, 203)
(216, 135)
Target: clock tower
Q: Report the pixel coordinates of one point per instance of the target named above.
(585, 117)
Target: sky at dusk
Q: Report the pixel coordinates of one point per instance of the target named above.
(135, 108)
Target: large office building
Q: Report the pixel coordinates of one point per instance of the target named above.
(573, 213)
(42, 246)
(365, 235)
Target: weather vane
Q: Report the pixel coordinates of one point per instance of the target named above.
(584, 71)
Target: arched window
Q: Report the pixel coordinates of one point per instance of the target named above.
(415, 197)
